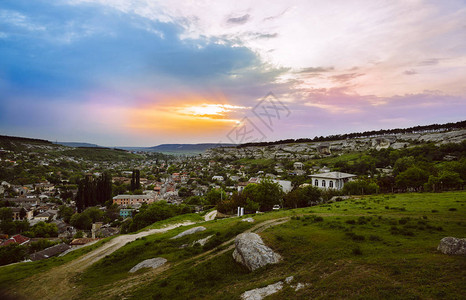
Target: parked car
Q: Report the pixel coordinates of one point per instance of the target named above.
(276, 207)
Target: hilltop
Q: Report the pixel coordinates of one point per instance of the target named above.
(369, 247)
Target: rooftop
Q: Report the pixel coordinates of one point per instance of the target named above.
(333, 175)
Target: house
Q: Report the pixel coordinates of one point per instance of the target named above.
(28, 214)
(217, 178)
(126, 212)
(284, 184)
(46, 215)
(18, 239)
(331, 180)
(298, 165)
(50, 252)
(132, 199)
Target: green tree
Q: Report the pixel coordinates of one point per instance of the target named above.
(215, 196)
(81, 221)
(65, 213)
(412, 178)
(6, 214)
(267, 193)
(12, 253)
(302, 197)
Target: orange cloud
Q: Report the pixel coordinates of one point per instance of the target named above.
(193, 116)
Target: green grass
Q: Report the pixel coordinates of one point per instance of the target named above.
(13, 273)
(362, 258)
(372, 247)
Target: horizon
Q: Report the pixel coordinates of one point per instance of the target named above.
(142, 73)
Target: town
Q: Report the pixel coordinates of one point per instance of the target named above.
(57, 198)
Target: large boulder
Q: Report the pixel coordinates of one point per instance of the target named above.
(149, 263)
(251, 251)
(189, 231)
(452, 246)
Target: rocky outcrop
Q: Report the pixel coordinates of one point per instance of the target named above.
(189, 231)
(203, 241)
(452, 246)
(259, 294)
(251, 251)
(149, 263)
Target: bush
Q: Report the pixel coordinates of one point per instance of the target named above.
(355, 237)
(357, 251)
(12, 253)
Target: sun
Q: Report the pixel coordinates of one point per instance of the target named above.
(205, 110)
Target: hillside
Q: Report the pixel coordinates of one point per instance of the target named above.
(299, 150)
(370, 247)
(78, 144)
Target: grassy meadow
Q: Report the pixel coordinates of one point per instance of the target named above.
(371, 247)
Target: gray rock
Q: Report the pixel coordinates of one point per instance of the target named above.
(452, 246)
(250, 220)
(149, 263)
(203, 241)
(189, 231)
(251, 251)
(260, 293)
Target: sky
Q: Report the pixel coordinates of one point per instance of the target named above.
(149, 72)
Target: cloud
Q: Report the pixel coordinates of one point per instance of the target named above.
(343, 78)
(239, 20)
(410, 72)
(315, 70)
(429, 62)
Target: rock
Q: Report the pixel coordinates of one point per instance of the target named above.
(250, 220)
(260, 293)
(251, 251)
(452, 246)
(203, 241)
(189, 231)
(289, 279)
(149, 263)
(299, 286)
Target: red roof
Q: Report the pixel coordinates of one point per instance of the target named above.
(19, 239)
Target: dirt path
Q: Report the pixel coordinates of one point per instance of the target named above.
(120, 287)
(57, 283)
(210, 216)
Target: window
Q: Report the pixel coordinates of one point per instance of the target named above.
(323, 183)
(316, 183)
(330, 184)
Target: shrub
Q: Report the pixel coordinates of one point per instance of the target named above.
(357, 251)
(375, 238)
(355, 237)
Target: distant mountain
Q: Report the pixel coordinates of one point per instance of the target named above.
(77, 144)
(185, 149)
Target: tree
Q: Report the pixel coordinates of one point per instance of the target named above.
(302, 197)
(360, 187)
(267, 193)
(412, 178)
(81, 221)
(215, 196)
(184, 192)
(135, 180)
(65, 213)
(402, 164)
(6, 214)
(12, 253)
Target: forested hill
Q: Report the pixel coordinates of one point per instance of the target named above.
(372, 133)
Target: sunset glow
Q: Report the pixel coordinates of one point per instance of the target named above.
(149, 72)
